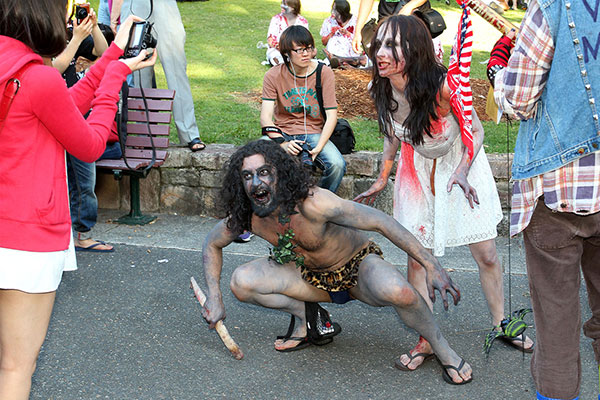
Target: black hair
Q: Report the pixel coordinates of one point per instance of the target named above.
(343, 8)
(294, 35)
(423, 72)
(39, 24)
(107, 32)
(292, 186)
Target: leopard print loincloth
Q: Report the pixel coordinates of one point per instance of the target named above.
(343, 278)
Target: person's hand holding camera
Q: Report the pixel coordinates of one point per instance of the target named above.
(293, 147)
(122, 36)
(121, 40)
(82, 30)
(92, 17)
(140, 61)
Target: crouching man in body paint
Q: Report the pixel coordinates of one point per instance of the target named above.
(320, 253)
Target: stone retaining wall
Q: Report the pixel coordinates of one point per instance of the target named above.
(188, 183)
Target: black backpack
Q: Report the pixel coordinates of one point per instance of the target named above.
(343, 135)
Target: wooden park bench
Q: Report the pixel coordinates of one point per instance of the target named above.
(143, 150)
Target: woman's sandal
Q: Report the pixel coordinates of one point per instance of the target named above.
(195, 142)
(404, 367)
(447, 376)
(518, 343)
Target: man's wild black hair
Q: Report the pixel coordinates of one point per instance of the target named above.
(292, 186)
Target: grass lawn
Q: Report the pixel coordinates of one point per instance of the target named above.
(224, 65)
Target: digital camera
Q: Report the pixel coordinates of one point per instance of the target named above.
(82, 11)
(140, 38)
(305, 156)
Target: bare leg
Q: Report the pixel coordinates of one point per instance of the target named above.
(490, 276)
(416, 277)
(266, 283)
(380, 284)
(492, 284)
(24, 319)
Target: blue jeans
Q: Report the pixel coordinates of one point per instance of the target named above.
(82, 181)
(330, 156)
(83, 202)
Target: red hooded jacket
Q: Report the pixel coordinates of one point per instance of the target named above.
(46, 119)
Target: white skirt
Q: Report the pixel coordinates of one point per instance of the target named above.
(35, 272)
(446, 219)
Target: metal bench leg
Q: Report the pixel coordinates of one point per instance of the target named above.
(135, 216)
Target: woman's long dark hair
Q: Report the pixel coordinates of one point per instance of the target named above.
(293, 183)
(40, 24)
(424, 77)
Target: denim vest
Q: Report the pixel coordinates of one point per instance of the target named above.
(565, 124)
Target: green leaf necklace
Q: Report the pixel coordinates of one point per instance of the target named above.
(284, 252)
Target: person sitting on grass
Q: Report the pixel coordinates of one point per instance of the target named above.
(337, 32)
(289, 16)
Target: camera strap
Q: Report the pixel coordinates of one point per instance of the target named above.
(10, 91)
(319, 88)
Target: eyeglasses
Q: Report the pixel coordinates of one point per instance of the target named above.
(303, 50)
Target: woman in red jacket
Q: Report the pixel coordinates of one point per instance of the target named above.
(44, 119)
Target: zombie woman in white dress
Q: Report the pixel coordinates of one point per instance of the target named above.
(442, 195)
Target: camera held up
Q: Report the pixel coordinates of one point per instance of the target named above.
(140, 38)
(82, 11)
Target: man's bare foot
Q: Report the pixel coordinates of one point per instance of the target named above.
(416, 357)
(92, 245)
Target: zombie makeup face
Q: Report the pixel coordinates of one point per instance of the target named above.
(389, 57)
(285, 8)
(259, 180)
(336, 15)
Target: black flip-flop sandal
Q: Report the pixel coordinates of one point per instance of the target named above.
(195, 142)
(514, 342)
(320, 328)
(303, 342)
(447, 376)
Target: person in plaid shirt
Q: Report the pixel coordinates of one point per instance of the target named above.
(550, 82)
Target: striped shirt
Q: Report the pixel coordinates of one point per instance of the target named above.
(573, 188)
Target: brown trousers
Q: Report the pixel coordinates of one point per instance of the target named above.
(558, 246)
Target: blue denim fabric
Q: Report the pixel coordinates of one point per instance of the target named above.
(566, 125)
(103, 12)
(83, 201)
(113, 151)
(82, 182)
(541, 397)
(330, 156)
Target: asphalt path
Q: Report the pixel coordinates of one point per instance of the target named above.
(126, 326)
